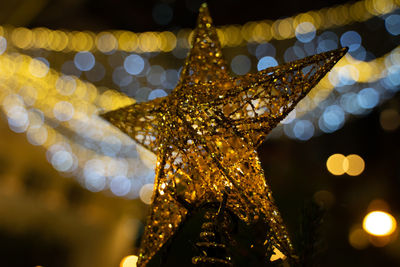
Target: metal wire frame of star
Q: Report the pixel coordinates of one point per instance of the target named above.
(81, 144)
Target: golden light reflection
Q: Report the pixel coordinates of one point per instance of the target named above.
(337, 164)
(356, 165)
(146, 193)
(129, 261)
(127, 41)
(149, 42)
(358, 238)
(22, 38)
(379, 223)
(232, 35)
(106, 42)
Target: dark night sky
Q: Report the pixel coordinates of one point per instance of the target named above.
(137, 15)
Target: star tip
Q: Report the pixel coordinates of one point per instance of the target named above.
(204, 17)
(203, 7)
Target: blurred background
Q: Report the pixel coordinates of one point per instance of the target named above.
(74, 191)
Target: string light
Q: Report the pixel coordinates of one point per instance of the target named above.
(230, 35)
(37, 99)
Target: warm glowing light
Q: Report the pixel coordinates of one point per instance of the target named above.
(356, 165)
(379, 223)
(337, 164)
(231, 35)
(358, 238)
(31, 91)
(277, 255)
(146, 193)
(39, 68)
(106, 42)
(127, 41)
(22, 38)
(149, 41)
(129, 261)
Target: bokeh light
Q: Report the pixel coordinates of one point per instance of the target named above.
(63, 111)
(266, 62)
(379, 223)
(121, 77)
(66, 85)
(94, 175)
(368, 98)
(3, 44)
(156, 94)
(389, 119)
(18, 119)
(359, 83)
(37, 135)
(332, 119)
(155, 75)
(305, 32)
(303, 130)
(293, 53)
(170, 78)
(241, 64)
(351, 39)
(146, 192)
(337, 164)
(134, 64)
(349, 102)
(106, 42)
(39, 67)
(265, 49)
(97, 73)
(62, 160)
(69, 68)
(356, 165)
(129, 261)
(392, 24)
(111, 145)
(120, 186)
(84, 61)
(358, 238)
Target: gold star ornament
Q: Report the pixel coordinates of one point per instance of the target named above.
(206, 132)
